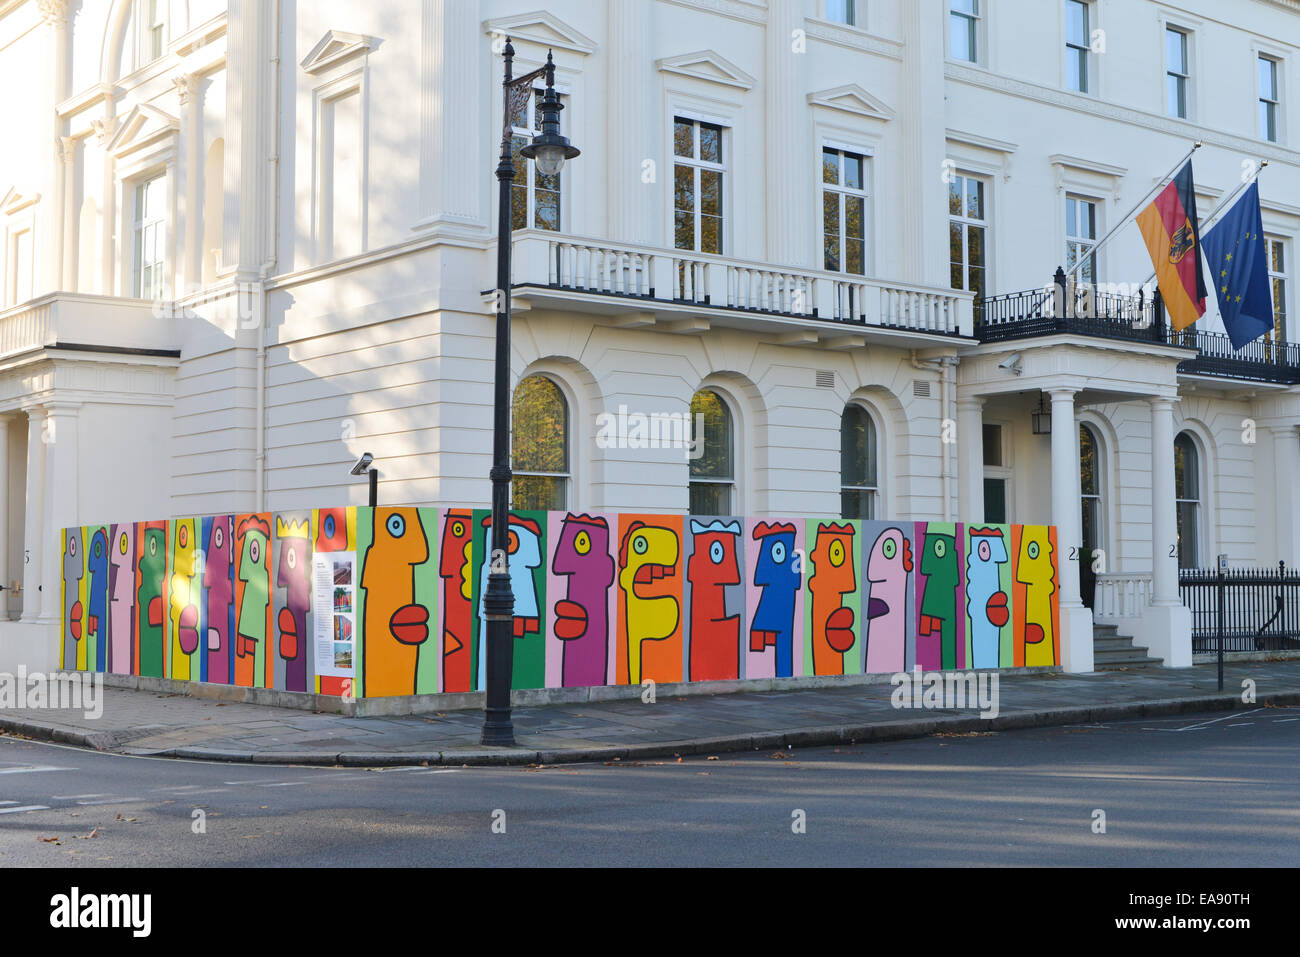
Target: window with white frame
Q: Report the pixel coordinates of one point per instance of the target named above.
(1277, 277)
(1078, 33)
(859, 464)
(1178, 70)
(713, 473)
(844, 211)
(1269, 98)
(698, 169)
(150, 238)
(963, 30)
(1081, 237)
(534, 196)
(539, 438)
(968, 234)
(21, 271)
(843, 11)
(1090, 488)
(153, 30)
(1187, 497)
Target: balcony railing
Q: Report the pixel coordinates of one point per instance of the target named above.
(74, 320)
(562, 262)
(1081, 310)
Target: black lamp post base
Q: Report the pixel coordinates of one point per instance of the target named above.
(498, 731)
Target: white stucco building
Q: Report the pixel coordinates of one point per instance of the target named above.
(245, 241)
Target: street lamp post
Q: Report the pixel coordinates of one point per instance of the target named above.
(549, 150)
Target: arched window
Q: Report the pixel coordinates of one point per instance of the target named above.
(713, 472)
(859, 456)
(1090, 487)
(1187, 496)
(540, 446)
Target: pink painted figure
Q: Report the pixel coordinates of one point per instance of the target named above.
(888, 569)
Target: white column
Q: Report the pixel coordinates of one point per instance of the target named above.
(1076, 620)
(921, 208)
(34, 517)
(68, 156)
(4, 517)
(451, 107)
(1066, 503)
(1286, 466)
(1167, 624)
(1164, 526)
(186, 236)
(970, 459)
(55, 15)
(787, 148)
(632, 203)
(61, 498)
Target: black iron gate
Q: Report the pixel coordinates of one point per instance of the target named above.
(1261, 608)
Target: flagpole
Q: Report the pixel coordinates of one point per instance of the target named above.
(1123, 221)
(1209, 220)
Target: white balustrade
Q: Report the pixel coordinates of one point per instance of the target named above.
(1122, 595)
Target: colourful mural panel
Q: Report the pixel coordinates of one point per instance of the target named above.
(650, 628)
(834, 603)
(888, 597)
(581, 604)
(599, 598)
(774, 597)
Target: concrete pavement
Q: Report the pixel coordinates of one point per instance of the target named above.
(150, 723)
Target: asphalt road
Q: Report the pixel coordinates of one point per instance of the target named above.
(1217, 790)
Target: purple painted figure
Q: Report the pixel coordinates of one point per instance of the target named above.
(220, 588)
(121, 600)
(582, 617)
(293, 575)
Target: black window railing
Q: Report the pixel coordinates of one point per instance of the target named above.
(1079, 309)
(1261, 608)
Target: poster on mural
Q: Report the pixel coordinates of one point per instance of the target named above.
(334, 610)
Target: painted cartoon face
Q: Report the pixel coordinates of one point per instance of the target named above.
(184, 567)
(939, 563)
(650, 554)
(74, 562)
(254, 571)
(292, 574)
(833, 561)
(332, 530)
(777, 564)
(714, 563)
(777, 572)
(1034, 565)
(98, 569)
(987, 552)
(523, 545)
(454, 563)
(388, 575)
(888, 566)
(583, 554)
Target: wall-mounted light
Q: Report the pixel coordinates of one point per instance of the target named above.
(1042, 417)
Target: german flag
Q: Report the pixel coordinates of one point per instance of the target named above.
(1173, 237)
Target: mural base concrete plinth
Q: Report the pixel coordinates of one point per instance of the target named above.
(33, 645)
(520, 698)
(1167, 633)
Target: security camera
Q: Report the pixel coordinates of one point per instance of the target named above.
(363, 464)
(1011, 363)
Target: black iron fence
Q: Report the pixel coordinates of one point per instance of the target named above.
(1261, 608)
(1084, 310)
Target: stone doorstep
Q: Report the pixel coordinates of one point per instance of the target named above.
(520, 698)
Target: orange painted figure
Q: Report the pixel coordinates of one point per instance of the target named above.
(650, 610)
(395, 626)
(1037, 572)
(833, 577)
(457, 600)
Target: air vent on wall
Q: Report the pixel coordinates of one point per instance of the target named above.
(921, 388)
(825, 380)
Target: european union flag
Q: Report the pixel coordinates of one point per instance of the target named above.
(1239, 267)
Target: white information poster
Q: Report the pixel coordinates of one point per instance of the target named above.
(333, 576)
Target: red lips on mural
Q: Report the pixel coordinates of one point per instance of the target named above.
(410, 624)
